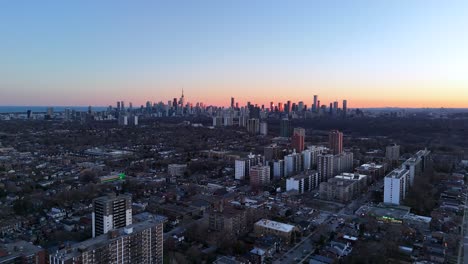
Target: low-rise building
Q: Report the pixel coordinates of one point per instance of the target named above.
(22, 252)
(343, 187)
(177, 169)
(269, 227)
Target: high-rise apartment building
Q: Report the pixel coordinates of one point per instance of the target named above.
(325, 166)
(259, 175)
(392, 153)
(304, 182)
(292, 164)
(278, 169)
(335, 140)
(264, 128)
(242, 166)
(111, 212)
(396, 186)
(417, 164)
(272, 152)
(137, 243)
(285, 127)
(253, 126)
(343, 163)
(298, 138)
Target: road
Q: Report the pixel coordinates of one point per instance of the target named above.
(302, 250)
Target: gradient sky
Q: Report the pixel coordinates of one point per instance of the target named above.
(409, 53)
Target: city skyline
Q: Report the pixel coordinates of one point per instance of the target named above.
(372, 53)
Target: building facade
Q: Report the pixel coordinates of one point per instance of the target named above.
(137, 243)
(335, 141)
(396, 186)
(304, 182)
(111, 212)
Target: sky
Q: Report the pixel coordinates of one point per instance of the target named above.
(402, 53)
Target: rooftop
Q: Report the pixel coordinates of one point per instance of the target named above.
(102, 240)
(369, 166)
(350, 176)
(275, 225)
(397, 173)
(20, 248)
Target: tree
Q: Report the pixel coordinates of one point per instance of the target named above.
(22, 207)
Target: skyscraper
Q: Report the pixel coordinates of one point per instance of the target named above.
(335, 139)
(182, 99)
(111, 212)
(285, 127)
(345, 107)
(232, 102)
(298, 139)
(315, 106)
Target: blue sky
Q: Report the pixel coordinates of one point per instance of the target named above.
(370, 52)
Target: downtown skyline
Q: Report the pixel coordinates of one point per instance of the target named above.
(374, 54)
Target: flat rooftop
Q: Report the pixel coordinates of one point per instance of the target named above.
(397, 173)
(369, 166)
(351, 176)
(102, 240)
(275, 225)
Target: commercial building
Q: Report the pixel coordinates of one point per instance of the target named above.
(111, 212)
(335, 140)
(304, 182)
(137, 243)
(396, 186)
(298, 138)
(268, 227)
(343, 188)
(259, 175)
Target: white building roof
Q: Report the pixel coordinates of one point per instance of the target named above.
(275, 225)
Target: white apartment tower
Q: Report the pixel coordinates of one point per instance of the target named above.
(396, 185)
